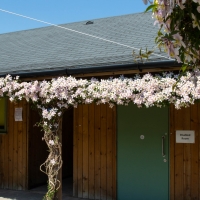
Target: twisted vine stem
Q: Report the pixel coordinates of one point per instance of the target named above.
(54, 162)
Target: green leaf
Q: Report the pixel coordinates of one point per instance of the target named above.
(174, 32)
(184, 68)
(150, 7)
(149, 52)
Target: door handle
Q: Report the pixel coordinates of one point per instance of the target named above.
(163, 146)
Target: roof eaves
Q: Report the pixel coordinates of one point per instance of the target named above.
(95, 69)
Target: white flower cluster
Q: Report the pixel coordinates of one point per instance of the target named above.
(65, 92)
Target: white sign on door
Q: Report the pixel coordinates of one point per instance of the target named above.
(185, 136)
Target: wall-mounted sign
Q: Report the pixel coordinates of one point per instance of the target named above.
(18, 114)
(185, 136)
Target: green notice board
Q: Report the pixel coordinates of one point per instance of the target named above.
(142, 153)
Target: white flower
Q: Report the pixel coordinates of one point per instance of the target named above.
(198, 9)
(178, 40)
(197, 1)
(180, 3)
(195, 22)
(188, 57)
(53, 162)
(51, 142)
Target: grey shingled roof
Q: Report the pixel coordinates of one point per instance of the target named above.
(51, 48)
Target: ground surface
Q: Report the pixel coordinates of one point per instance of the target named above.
(37, 193)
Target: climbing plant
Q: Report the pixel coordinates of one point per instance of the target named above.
(53, 97)
(179, 32)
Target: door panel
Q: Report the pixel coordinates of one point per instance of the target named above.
(142, 171)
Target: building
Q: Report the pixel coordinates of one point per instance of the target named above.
(120, 153)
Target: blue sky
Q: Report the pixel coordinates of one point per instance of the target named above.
(62, 11)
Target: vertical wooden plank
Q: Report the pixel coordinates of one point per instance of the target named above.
(75, 153)
(103, 151)
(15, 152)
(97, 150)
(29, 145)
(172, 152)
(199, 145)
(1, 161)
(31, 141)
(199, 148)
(20, 170)
(109, 147)
(6, 162)
(4, 157)
(85, 151)
(195, 153)
(179, 158)
(91, 151)
(25, 154)
(80, 151)
(114, 146)
(187, 156)
(11, 139)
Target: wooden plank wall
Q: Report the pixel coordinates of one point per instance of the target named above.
(13, 151)
(184, 158)
(94, 162)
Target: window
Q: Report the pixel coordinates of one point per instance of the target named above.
(3, 115)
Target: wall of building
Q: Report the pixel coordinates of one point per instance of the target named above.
(94, 152)
(184, 158)
(13, 150)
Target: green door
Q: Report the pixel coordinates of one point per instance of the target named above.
(142, 153)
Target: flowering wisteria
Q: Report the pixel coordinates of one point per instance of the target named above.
(179, 22)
